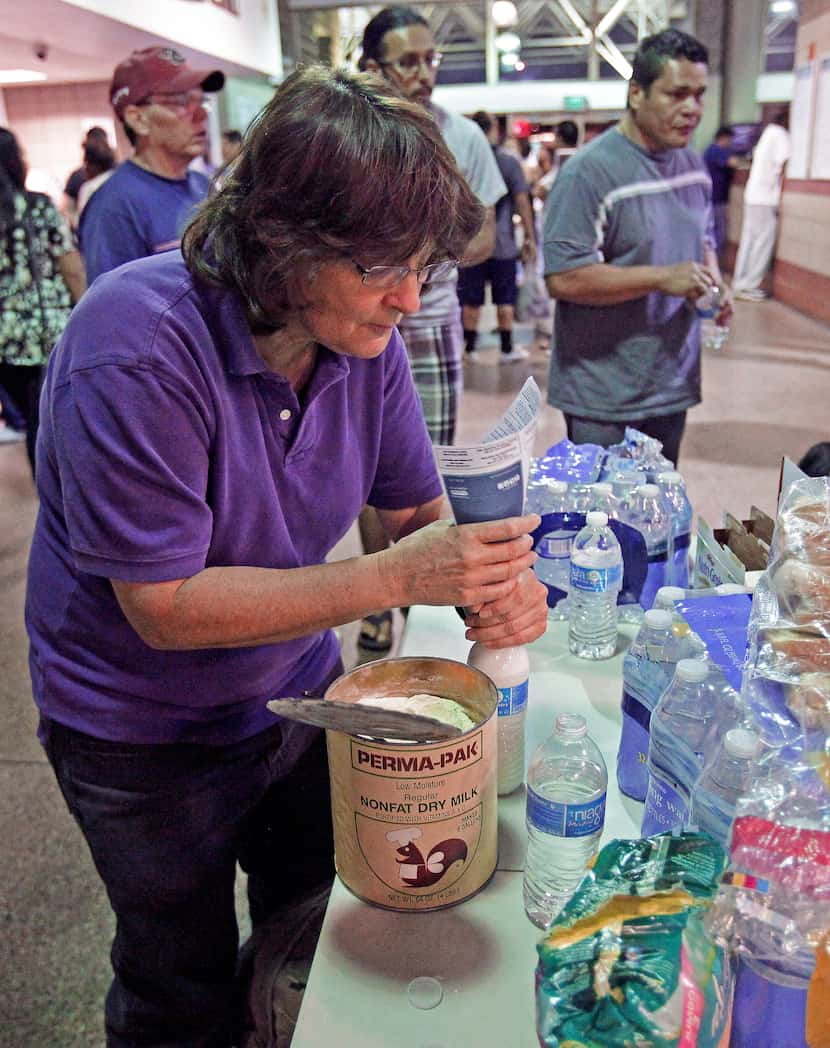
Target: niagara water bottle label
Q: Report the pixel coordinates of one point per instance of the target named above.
(565, 820)
(512, 700)
(665, 807)
(595, 580)
(555, 547)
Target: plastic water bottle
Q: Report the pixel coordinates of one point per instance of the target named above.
(602, 499)
(729, 589)
(708, 304)
(580, 497)
(682, 517)
(508, 669)
(553, 565)
(651, 515)
(727, 778)
(690, 645)
(681, 727)
(713, 335)
(596, 578)
(666, 597)
(777, 927)
(648, 668)
(566, 786)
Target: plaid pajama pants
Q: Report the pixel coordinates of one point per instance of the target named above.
(435, 359)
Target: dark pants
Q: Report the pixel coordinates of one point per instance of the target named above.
(22, 382)
(668, 429)
(166, 825)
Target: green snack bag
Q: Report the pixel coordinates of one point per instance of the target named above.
(627, 962)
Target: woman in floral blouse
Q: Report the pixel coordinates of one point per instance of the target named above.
(41, 276)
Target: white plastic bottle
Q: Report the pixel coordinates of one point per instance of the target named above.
(650, 514)
(682, 726)
(727, 778)
(673, 487)
(596, 578)
(553, 564)
(566, 786)
(690, 646)
(648, 668)
(508, 669)
(707, 307)
(602, 498)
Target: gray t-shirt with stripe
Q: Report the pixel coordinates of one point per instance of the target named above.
(616, 203)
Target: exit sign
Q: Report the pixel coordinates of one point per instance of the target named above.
(576, 102)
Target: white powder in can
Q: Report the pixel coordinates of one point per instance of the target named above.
(445, 710)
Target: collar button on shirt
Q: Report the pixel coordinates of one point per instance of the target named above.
(285, 414)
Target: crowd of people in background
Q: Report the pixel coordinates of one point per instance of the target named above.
(325, 302)
(115, 213)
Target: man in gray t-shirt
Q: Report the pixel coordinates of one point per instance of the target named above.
(628, 249)
(399, 44)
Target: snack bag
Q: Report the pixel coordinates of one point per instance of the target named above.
(628, 961)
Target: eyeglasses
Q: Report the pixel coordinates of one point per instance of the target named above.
(387, 277)
(182, 101)
(409, 65)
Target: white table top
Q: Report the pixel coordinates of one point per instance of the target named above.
(483, 950)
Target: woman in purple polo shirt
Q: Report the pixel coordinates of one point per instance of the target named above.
(213, 424)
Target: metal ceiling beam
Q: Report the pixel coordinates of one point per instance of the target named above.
(576, 19)
(611, 17)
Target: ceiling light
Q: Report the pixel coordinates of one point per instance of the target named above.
(508, 42)
(504, 13)
(782, 7)
(20, 76)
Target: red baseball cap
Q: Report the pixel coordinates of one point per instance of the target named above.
(158, 69)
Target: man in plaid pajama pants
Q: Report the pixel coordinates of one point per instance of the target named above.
(398, 44)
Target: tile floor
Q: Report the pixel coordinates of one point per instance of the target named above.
(766, 395)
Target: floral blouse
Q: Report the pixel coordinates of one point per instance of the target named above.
(30, 323)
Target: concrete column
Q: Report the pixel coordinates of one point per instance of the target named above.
(491, 52)
(743, 40)
(708, 25)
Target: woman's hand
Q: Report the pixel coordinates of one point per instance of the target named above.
(469, 564)
(518, 618)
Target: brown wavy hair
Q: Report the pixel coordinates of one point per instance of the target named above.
(336, 165)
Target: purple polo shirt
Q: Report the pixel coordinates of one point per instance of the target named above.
(166, 446)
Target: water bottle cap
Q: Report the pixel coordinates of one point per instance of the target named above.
(670, 593)
(597, 519)
(571, 724)
(657, 619)
(692, 670)
(741, 742)
(558, 487)
(751, 580)
(726, 588)
(671, 476)
(649, 490)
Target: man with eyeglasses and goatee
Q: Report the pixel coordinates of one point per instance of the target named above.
(398, 43)
(143, 208)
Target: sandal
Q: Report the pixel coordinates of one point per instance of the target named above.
(376, 632)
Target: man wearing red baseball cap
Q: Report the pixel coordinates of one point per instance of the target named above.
(143, 208)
